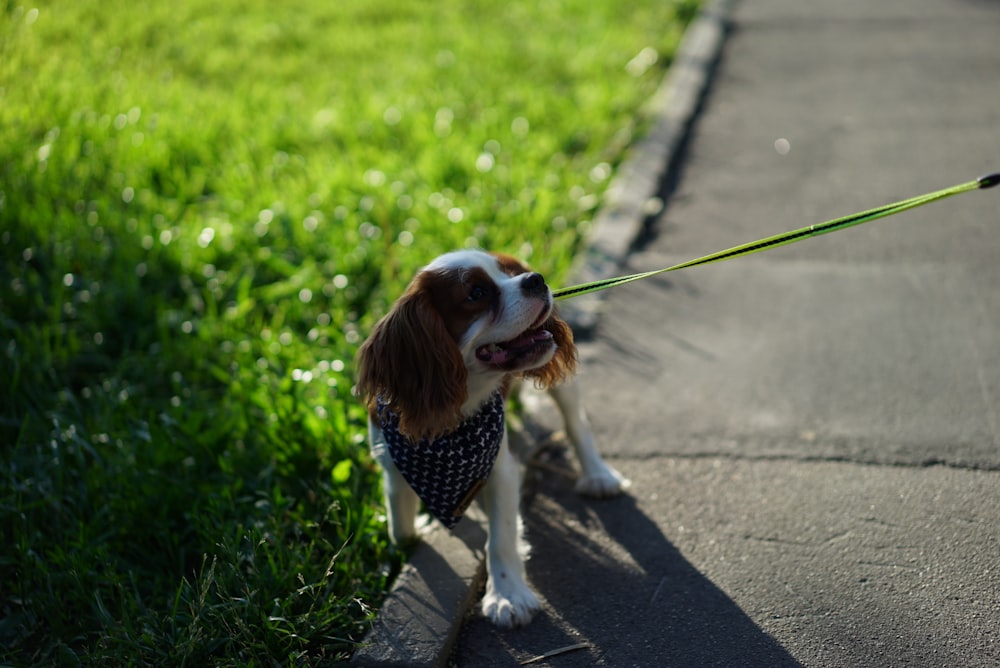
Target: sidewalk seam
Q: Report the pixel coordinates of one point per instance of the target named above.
(803, 459)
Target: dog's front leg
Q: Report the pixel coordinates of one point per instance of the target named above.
(401, 502)
(509, 600)
(597, 478)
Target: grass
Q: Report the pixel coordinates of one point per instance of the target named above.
(204, 206)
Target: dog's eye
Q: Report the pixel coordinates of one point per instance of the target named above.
(478, 293)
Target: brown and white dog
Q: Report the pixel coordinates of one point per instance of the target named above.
(468, 325)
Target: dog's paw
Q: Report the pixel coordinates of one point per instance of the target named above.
(602, 484)
(514, 607)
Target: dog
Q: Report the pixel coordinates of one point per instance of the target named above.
(434, 374)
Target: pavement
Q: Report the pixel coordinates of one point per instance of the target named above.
(812, 433)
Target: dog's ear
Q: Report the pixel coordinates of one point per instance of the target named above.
(412, 364)
(563, 363)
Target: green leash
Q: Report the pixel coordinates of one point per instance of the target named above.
(788, 237)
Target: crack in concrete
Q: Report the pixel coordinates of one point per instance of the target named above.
(730, 456)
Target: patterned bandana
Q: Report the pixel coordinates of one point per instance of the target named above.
(446, 473)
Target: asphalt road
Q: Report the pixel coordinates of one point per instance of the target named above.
(812, 433)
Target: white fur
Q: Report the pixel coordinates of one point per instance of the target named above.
(597, 479)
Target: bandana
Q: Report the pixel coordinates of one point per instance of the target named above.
(447, 472)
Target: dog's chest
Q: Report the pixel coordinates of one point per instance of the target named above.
(447, 472)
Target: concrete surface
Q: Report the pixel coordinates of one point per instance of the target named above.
(813, 433)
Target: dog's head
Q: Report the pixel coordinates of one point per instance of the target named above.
(466, 322)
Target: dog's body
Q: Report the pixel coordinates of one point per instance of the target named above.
(468, 324)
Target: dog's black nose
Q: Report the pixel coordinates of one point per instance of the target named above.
(533, 285)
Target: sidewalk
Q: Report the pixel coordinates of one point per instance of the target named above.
(812, 433)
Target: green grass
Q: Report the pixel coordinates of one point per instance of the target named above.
(204, 206)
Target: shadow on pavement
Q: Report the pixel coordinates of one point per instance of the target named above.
(609, 577)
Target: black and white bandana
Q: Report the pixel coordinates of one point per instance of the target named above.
(447, 472)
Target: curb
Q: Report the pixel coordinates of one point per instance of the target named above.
(423, 613)
(420, 619)
(636, 194)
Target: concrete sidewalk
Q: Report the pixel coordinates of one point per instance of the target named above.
(812, 433)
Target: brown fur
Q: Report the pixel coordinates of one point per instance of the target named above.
(563, 363)
(405, 363)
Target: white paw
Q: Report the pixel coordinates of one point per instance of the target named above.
(602, 484)
(510, 608)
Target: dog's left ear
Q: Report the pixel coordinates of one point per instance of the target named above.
(563, 363)
(411, 363)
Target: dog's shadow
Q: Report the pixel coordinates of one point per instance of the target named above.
(611, 581)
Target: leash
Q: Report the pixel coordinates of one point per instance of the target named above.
(788, 237)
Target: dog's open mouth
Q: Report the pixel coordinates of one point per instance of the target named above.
(523, 347)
